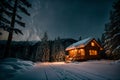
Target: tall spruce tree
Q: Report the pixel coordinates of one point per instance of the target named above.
(45, 48)
(12, 9)
(112, 33)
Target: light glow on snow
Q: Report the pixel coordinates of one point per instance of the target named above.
(47, 63)
(88, 70)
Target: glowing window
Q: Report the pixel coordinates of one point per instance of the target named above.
(72, 53)
(92, 52)
(75, 50)
(92, 44)
(82, 51)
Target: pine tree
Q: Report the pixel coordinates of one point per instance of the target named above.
(102, 39)
(53, 51)
(99, 41)
(39, 52)
(45, 48)
(112, 33)
(80, 38)
(58, 53)
(14, 6)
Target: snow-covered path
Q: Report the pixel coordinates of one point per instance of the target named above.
(93, 70)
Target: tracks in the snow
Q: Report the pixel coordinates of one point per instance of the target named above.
(70, 73)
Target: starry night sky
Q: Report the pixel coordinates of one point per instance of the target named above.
(66, 19)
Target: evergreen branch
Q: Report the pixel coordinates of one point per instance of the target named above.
(5, 27)
(8, 29)
(20, 23)
(19, 17)
(17, 31)
(26, 3)
(24, 10)
(4, 20)
(8, 13)
(4, 4)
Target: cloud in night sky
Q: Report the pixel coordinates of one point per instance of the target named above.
(66, 18)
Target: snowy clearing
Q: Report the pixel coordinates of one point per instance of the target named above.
(89, 70)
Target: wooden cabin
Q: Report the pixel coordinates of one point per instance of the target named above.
(85, 49)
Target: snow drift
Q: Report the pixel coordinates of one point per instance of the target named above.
(11, 66)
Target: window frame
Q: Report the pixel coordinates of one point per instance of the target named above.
(81, 52)
(92, 44)
(93, 52)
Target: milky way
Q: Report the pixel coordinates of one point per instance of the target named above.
(66, 19)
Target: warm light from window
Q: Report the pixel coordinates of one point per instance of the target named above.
(92, 52)
(82, 51)
(75, 50)
(101, 48)
(92, 44)
(73, 53)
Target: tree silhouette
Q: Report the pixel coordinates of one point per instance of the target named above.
(112, 33)
(45, 48)
(15, 7)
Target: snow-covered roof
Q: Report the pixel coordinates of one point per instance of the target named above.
(79, 44)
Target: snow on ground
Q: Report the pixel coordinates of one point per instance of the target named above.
(11, 66)
(88, 70)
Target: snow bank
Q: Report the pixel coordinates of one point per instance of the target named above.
(11, 66)
(116, 62)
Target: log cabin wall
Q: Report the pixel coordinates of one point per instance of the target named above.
(91, 49)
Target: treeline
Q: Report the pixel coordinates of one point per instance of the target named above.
(47, 51)
(44, 51)
(50, 51)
